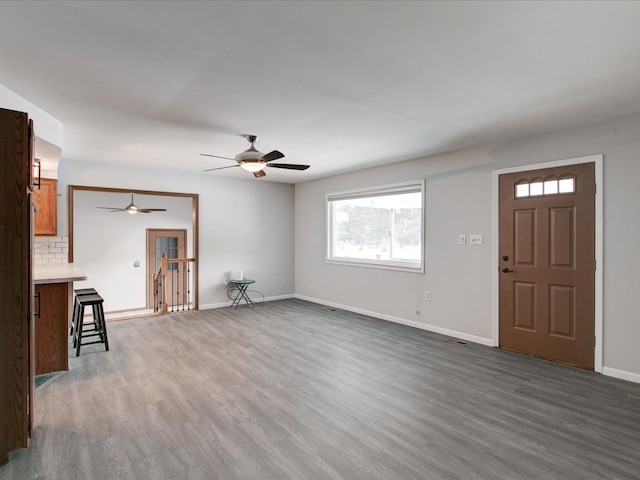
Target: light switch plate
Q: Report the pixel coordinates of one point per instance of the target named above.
(462, 240)
(475, 239)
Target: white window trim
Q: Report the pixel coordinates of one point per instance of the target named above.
(374, 263)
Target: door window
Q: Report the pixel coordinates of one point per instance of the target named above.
(552, 185)
(168, 246)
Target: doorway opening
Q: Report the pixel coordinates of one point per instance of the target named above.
(112, 246)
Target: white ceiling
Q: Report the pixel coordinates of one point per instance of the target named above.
(338, 85)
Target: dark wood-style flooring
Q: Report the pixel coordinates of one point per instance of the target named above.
(294, 390)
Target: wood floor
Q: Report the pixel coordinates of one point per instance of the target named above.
(294, 390)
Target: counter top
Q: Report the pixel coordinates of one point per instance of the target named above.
(57, 273)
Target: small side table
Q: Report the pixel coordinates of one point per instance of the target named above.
(242, 285)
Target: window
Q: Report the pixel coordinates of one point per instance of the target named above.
(168, 246)
(382, 227)
(549, 186)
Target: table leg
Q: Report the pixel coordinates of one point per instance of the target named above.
(242, 295)
(237, 298)
(246, 297)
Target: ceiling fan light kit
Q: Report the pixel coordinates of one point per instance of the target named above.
(254, 161)
(252, 165)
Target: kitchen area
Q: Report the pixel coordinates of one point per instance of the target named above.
(52, 275)
(53, 278)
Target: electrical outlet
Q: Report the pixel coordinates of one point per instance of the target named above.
(226, 281)
(428, 296)
(462, 240)
(475, 239)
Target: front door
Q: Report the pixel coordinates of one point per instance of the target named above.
(172, 244)
(547, 263)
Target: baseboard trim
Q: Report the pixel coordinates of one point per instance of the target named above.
(390, 318)
(622, 374)
(209, 306)
(128, 310)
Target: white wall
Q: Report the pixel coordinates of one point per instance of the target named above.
(46, 126)
(459, 201)
(245, 224)
(48, 142)
(107, 244)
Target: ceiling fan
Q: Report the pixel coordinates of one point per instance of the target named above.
(254, 161)
(132, 209)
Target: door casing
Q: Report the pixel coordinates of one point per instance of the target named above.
(195, 216)
(599, 226)
(152, 234)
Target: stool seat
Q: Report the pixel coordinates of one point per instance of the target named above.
(88, 297)
(80, 291)
(94, 299)
(85, 291)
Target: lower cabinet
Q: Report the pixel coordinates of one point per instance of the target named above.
(52, 327)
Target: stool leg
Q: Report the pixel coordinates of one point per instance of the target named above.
(73, 315)
(97, 321)
(103, 325)
(74, 321)
(79, 329)
(96, 326)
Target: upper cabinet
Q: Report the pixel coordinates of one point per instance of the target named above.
(45, 199)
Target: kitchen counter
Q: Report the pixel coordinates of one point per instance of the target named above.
(57, 273)
(53, 303)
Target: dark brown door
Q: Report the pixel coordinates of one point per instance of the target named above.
(16, 290)
(547, 263)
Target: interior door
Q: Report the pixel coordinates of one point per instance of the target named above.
(172, 243)
(547, 263)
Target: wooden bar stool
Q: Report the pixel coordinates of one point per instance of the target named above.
(100, 327)
(79, 292)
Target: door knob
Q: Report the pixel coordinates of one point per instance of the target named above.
(506, 270)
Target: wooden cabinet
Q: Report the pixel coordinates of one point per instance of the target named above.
(17, 365)
(45, 199)
(52, 327)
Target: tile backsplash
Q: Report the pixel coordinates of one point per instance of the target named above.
(50, 250)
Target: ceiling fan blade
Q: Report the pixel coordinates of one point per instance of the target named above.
(271, 156)
(113, 209)
(146, 210)
(217, 156)
(220, 168)
(259, 173)
(289, 166)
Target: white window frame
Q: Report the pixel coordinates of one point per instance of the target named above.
(403, 187)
